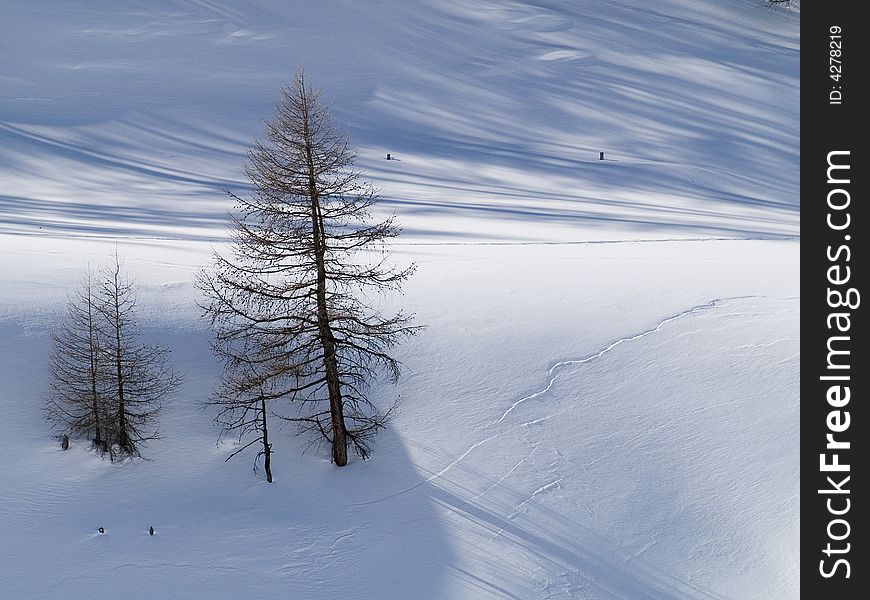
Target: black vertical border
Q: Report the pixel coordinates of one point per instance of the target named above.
(828, 127)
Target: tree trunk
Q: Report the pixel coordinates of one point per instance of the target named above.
(327, 339)
(95, 403)
(336, 406)
(123, 438)
(98, 432)
(93, 351)
(267, 449)
(123, 434)
(330, 361)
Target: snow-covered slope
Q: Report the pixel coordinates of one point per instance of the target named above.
(131, 116)
(584, 421)
(580, 419)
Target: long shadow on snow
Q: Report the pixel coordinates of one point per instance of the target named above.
(20, 215)
(221, 532)
(570, 548)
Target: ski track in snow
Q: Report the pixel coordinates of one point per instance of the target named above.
(500, 479)
(559, 366)
(544, 488)
(554, 373)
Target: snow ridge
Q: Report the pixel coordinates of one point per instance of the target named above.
(560, 366)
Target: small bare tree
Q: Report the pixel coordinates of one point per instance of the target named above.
(140, 377)
(104, 383)
(249, 386)
(77, 398)
(293, 294)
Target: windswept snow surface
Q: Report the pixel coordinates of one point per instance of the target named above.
(605, 402)
(130, 117)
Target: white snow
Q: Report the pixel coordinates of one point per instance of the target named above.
(605, 402)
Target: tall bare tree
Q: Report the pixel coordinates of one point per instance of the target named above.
(290, 304)
(77, 398)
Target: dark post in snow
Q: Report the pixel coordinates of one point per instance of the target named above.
(601, 156)
(388, 156)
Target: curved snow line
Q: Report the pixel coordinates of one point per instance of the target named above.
(567, 363)
(433, 476)
(516, 511)
(552, 372)
(767, 344)
(502, 478)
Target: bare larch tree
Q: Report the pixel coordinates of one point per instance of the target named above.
(76, 402)
(291, 305)
(104, 383)
(139, 377)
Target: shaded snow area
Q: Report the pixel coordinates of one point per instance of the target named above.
(605, 402)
